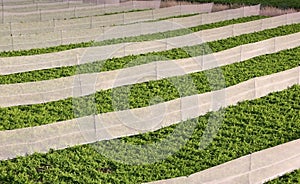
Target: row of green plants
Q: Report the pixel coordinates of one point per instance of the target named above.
(140, 38)
(137, 10)
(239, 130)
(166, 18)
(290, 178)
(113, 13)
(134, 60)
(147, 93)
(174, 17)
(273, 3)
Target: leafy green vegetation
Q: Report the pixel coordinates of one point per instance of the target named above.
(133, 60)
(141, 95)
(140, 38)
(247, 127)
(275, 3)
(113, 13)
(290, 178)
(175, 16)
(167, 18)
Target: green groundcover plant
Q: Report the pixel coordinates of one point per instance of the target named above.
(290, 178)
(175, 16)
(141, 95)
(248, 127)
(113, 13)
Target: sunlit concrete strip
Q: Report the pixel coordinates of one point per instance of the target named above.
(99, 33)
(258, 167)
(130, 122)
(61, 88)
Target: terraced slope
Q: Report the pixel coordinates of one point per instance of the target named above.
(189, 121)
(61, 37)
(139, 38)
(68, 13)
(88, 19)
(14, 65)
(89, 56)
(141, 94)
(248, 127)
(290, 178)
(57, 89)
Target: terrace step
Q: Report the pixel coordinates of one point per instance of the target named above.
(47, 39)
(258, 167)
(61, 88)
(117, 124)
